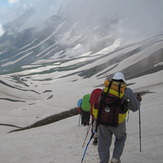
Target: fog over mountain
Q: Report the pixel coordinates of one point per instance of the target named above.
(136, 18)
(63, 29)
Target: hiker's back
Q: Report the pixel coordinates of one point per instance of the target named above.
(85, 109)
(115, 100)
(86, 102)
(111, 110)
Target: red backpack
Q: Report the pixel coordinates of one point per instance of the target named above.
(94, 99)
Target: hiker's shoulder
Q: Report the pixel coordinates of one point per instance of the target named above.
(128, 90)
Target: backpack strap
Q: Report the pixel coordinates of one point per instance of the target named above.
(119, 90)
(109, 86)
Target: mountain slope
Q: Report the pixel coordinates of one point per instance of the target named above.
(48, 143)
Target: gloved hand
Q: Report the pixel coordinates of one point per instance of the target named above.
(139, 98)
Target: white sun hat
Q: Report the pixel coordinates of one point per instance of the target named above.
(119, 76)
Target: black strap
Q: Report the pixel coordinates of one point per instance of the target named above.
(109, 86)
(119, 90)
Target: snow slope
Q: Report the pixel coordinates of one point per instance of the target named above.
(62, 141)
(38, 92)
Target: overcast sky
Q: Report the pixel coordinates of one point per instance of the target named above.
(143, 16)
(9, 9)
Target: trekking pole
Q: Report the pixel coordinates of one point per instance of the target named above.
(86, 135)
(87, 147)
(79, 119)
(140, 129)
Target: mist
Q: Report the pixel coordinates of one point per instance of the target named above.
(129, 20)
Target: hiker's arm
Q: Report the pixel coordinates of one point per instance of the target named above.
(134, 103)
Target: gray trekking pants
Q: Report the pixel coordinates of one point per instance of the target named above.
(105, 139)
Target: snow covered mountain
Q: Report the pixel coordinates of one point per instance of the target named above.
(64, 35)
(60, 48)
(56, 37)
(40, 91)
(46, 68)
(40, 80)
